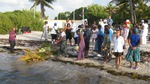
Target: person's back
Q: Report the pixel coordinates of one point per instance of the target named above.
(87, 35)
(135, 39)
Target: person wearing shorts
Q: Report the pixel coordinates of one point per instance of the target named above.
(118, 48)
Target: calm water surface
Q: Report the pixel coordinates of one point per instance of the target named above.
(49, 72)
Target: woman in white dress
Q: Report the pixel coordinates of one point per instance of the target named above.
(45, 30)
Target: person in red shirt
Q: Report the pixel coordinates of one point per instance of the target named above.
(12, 38)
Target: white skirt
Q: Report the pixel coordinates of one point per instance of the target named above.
(94, 35)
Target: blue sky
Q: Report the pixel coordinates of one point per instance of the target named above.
(59, 5)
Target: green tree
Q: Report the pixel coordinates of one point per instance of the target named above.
(43, 3)
(111, 9)
(132, 6)
(95, 12)
(20, 19)
(63, 15)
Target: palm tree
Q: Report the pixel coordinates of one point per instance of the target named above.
(43, 3)
(111, 9)
(132, 5)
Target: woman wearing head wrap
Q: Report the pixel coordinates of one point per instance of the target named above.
(134, 51)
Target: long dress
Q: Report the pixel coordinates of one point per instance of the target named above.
(134, 55)
(106, 43)
(45, 33)
(81, 50)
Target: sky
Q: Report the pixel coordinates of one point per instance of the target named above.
(58, 5)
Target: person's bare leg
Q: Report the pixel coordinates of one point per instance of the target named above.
(116, 63)
(130, 64)
(120, 61)
(105, 60)
(136, 65)
(92, 40)
(70, 41)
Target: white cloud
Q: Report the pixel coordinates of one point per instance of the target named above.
(59, 6)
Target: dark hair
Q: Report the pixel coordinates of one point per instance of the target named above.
(46, 22)
(99, 27)
(106, 29)
(68, 24)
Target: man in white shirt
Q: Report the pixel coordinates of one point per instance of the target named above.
(62, 42)
(103, 25)
(54, 33)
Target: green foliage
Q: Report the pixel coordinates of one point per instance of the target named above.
(19, 19)
(42, 4)
(92, 13)
(95, 12)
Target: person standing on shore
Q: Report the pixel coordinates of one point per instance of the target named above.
(106, 45)
(62, 41)
(110, 21)
(99, 40)
(118, 48)
(68, 33)
(45, 30)
(73, 28)
(87, 35)
(54, 32)
(145, 32)
(81, 50)
(133, 53)
(12, 38)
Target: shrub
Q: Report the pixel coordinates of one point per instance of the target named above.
(19, 19)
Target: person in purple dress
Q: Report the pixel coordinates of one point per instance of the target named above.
(81, 50)
(12, 38)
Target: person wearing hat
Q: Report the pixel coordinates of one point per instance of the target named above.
(118, 48)
(133, 54)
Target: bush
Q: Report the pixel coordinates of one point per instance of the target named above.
(19, 19)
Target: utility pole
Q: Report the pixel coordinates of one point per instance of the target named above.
(34, 10)
(74, 15)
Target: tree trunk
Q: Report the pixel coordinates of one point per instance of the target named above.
(131, 10)
(42, 11)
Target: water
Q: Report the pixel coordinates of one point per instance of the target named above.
(49, 72)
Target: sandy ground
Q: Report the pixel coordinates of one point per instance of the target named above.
(144, 67)
(34, 35)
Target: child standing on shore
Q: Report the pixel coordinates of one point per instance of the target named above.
(81, 50)
(118, 48)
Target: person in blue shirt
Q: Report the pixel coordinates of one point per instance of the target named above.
(133, 54)
(110, 21)
(110, 32)
(99, 39)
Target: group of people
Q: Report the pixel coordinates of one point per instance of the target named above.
(103, 37)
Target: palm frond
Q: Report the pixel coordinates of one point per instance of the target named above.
(35, 4)
(46, 4)
(50, 1)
